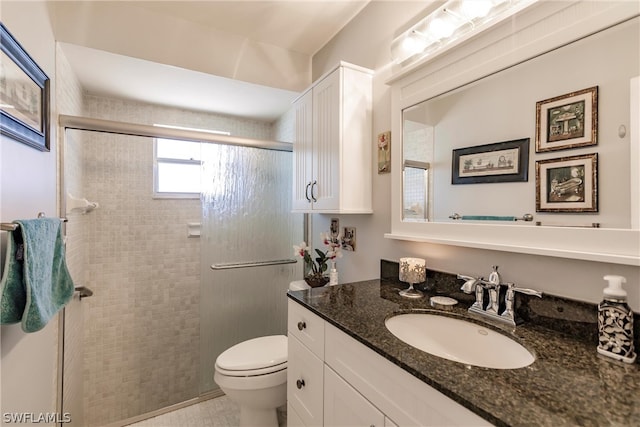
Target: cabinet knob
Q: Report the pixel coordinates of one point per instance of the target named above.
(300, 384)
(301, 325)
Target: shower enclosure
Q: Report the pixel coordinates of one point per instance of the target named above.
(175, 281)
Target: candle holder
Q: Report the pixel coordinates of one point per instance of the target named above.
(412, 271)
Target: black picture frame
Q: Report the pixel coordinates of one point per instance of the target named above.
(506, 161)
(24, 95)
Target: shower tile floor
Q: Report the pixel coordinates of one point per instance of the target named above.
(217, 412)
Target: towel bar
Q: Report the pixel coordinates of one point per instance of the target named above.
(229, 265)
(592, 225)
(84, 291)
(525, 217)
(10, 226)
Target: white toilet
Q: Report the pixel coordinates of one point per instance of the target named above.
(253, 374)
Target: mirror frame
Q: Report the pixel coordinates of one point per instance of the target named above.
(505, 45)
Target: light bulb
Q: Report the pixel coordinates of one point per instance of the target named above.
(475, 8)
(441, 28)
(413, 44)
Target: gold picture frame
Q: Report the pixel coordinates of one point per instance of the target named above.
(567, 121)
(567, 184)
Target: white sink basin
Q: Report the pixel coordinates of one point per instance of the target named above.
(459, 340)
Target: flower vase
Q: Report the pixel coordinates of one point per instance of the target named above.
(316, 280)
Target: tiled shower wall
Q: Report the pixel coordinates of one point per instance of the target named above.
(142, 324)
(141, 327)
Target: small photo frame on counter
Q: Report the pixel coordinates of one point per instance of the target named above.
(568, 184)
(567, 121)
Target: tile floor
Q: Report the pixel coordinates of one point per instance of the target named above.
(217, 412)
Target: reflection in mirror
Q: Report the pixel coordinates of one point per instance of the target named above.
(416, 166)
(415, 184)
(501, 107)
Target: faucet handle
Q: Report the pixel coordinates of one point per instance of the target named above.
(494, 277)
(509, 313)
(511, 287)
(470, 283)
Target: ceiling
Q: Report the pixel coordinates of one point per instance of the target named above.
(299, 25)
(107, 63)
(111, 75)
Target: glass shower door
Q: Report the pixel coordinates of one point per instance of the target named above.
(247, 235)
(133, 347)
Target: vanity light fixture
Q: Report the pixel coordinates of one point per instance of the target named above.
(449, 25)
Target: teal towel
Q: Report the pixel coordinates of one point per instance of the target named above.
(47, 284)
(488, 218)
(13, 297)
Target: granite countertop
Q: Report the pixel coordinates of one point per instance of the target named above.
(568, 384)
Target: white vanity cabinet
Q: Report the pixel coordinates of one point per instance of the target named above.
(305, 367)
(332, 150)
(344, 406)
(358, 386)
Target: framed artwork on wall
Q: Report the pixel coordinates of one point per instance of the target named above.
(384, 152)
(24, 95)
(506, 161)
(567, 184)
(567, 121)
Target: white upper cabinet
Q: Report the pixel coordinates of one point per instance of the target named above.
(333, 144)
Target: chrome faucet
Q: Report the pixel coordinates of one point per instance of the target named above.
(493, 285)
(473, 284)
(509, 314)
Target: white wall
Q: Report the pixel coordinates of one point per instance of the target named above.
(28, 186)
(366, 42)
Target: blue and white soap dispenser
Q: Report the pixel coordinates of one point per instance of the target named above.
(615, 322)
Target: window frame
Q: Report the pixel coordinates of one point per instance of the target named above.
(169, 160)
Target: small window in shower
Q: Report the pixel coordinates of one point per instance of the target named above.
(177, 169)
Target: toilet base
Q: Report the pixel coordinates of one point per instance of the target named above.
(258, 407)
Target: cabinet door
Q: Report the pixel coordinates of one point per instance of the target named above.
(304, 383)
(327, 110)
(307, 327)
(344, 406)
(302, 153)
(293, 420)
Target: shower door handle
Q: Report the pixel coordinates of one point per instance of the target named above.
(84, 291)
(313, 186)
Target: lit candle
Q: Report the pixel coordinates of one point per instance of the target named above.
(413, 270)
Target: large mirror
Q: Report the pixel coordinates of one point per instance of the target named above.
(477, 155)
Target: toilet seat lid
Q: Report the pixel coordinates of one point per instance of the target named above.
(256, 353)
